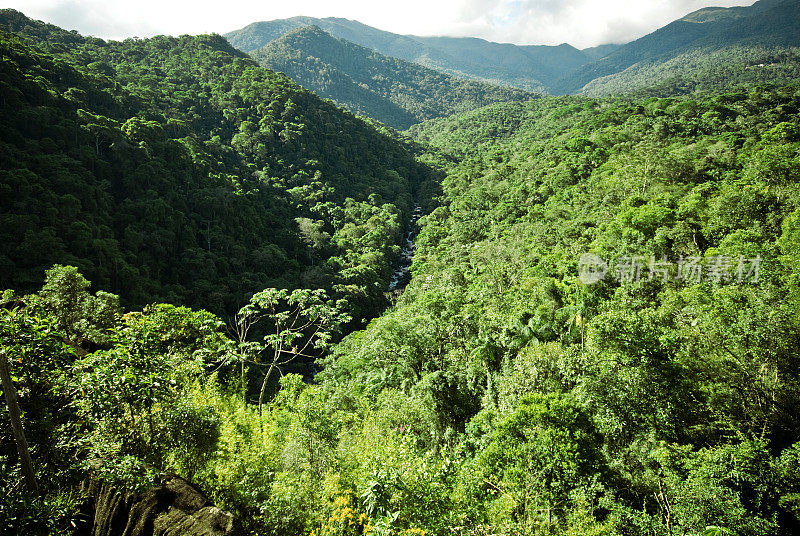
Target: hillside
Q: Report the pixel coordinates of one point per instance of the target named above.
(177, 169)
(600, 336)
(709, 42)
(504, 393)
(704, 70)
(394, 91)
(533, 68)
(715, 33)
(502, 333)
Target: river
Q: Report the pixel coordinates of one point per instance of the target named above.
(402, 275)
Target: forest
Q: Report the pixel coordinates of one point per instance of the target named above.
(121, 157)
(197, 260)
(393, 91)
(702, 41)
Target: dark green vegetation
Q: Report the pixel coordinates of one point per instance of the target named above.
(394, 91)
(499, 395)
(728, 44)
(177, 169)
(704, 71)
(533, 68)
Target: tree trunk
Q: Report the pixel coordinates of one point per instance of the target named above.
(244, 382)
(263, 390)
(16, 425)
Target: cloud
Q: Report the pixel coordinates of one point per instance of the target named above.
(100, 19)
(582, 23)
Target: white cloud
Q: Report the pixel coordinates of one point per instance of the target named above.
(582, 23)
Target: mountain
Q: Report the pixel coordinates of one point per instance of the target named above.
(727, 45)
(600, 51)
(533, 68)
(178, 169)
(396, 92)
(706, 71)
(768, 23)
(599, 337)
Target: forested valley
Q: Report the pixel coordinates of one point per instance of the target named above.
(600, 335)
(393, 91)
(120, 158)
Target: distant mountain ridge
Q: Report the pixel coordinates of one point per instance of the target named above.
(696, 43)
(771, 23)
(533, 67)
(394, 91)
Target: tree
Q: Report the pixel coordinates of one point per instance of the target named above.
(297, 324)
(16, 424)
(154, 355)
(538, 456)
(82, 316)
(246, 350)
(33, 358)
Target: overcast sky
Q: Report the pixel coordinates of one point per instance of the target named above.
(582, 23)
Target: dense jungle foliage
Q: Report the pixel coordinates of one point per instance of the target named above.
(396, 92)
(177, 169)
(703, 70)
(503, 393)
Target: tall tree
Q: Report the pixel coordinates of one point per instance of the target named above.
(15, 416)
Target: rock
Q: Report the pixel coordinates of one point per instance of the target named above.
(174, 508)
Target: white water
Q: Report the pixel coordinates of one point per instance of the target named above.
(401, 275)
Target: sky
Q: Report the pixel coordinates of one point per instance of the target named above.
(582, 23)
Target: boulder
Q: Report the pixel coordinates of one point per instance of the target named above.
(174, 508)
